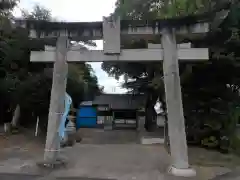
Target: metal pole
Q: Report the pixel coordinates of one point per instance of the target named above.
(176, 125)
(56, 109)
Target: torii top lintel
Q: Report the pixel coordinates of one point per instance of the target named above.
(94, 30)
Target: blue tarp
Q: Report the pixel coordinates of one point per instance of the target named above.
(62, 128)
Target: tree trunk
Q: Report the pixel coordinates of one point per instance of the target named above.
(164, 108)
(150, 111)
(7, 120)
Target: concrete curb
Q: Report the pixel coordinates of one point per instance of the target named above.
(190, 172)
(149, 141)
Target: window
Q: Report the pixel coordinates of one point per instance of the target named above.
(125, 114)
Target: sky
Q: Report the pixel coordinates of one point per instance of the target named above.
(80, 11)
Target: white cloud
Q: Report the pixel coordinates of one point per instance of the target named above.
(80, 10)
(111, 85)
(74, 10)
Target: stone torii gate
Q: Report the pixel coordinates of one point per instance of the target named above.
(113, 32)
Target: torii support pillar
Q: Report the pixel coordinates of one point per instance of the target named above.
(176, 123)
(56, 109)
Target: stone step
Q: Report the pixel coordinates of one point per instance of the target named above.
(149, 140)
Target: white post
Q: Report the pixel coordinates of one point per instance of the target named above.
(56, 109)
(176, 122)
(16, 116)
(36, 130)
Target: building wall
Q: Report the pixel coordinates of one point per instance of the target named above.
(104, 117)
(124, 119)
(101, 120)
(141, 123)
(121, 118)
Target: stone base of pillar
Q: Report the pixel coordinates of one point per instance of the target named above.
(58, 163)
(190, 172)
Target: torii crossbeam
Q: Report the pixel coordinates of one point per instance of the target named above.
(113, 33)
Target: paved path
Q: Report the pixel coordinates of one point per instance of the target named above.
(114, 156)
(4, 176)
(124, 162)
(234, 175)
(33, 177)
(116, 161)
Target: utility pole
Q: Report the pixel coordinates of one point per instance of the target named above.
(56, 109)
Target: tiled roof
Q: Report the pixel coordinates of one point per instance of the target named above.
(120, 101)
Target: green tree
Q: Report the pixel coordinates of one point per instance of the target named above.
(28, 84)
(38, 13)
(81, 83)
(7, 66)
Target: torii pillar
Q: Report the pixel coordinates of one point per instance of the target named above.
(176, 121)
(57, 102)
